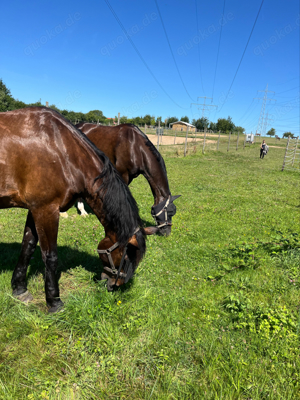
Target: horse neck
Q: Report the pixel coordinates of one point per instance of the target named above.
(156, 176)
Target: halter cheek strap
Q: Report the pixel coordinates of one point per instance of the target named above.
(113, 270)
(165, 210)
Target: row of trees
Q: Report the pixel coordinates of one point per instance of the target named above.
(8, 103)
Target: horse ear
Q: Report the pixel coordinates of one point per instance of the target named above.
(151, 230)
(175, 197)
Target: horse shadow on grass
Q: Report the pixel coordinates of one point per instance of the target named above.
(68, 259)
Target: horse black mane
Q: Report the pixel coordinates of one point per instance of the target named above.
(119, 206)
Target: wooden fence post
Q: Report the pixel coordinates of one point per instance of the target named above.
(218, 141)
(175, 137)
(187, 129)
(228, 141)
(286, 149)
(145, 128)
(204, 141)
(244, 141)
(295, 151)
(237, 141)
(158, 131)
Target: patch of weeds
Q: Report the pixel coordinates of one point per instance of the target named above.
(241, 283)
(262, 320)
(281, 243)
(252, 255)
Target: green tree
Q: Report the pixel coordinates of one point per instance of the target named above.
(271, 132)
(171, 120)
(123, 119)
(53, 106)
(147, 119)
(158, 119)
(287, 134)
(138, 121)
(225, 125)
(201, 123)
(239, 129)
(213, 126)
(185, 119)
(94, 116)
(7, 102)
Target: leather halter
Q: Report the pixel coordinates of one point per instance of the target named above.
(165, 210)
(113, 270)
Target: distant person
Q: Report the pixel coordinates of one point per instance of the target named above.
(263, 149)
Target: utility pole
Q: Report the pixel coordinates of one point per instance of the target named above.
(266, 123)
(204, 104)
(260, 125)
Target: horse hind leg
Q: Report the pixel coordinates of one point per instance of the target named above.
(29, 243)
(80, 207)
(46, 222)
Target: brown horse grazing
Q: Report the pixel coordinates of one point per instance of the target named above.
(46, 164)
(132, 153)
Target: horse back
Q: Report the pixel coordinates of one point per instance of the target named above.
(121, 144)
(39, 160)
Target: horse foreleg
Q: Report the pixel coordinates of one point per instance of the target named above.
(29, 243)
(46, 222)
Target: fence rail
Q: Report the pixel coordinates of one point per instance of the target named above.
(291, 159)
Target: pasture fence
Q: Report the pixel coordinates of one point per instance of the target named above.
(182, 143)
(291, 159)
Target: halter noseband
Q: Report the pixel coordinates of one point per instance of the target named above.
(113, 270)
(165, 210)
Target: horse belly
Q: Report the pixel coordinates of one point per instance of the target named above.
(27, 184)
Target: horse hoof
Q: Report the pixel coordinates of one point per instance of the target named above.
(56, 308)
(25, 297)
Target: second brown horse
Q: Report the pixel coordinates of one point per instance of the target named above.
(133, 154)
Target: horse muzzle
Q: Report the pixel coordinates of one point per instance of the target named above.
(165, 230)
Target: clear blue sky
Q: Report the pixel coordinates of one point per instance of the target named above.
(75, 55)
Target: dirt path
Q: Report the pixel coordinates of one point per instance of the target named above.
(169, 140)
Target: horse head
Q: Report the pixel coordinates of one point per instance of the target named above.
(120, 262)
(163, 213)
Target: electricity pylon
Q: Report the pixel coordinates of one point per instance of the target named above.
(261, 125)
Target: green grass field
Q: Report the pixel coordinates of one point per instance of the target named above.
(213, 310)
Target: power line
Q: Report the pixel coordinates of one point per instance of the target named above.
(218, 53)
(289, 90)
(139, 54)
(284, 83)
(243, 52)
(166, 35)
(288, 119)
(248, 109)
(198, 47)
